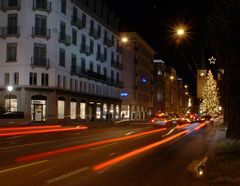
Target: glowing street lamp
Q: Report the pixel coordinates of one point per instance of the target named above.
(185, 86)
(201, 74)
(124, 39)
(9, 88)
(180, 31)
(171, 100)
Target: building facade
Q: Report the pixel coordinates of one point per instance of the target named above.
(137, 98)
(169, 94)
(61, 58)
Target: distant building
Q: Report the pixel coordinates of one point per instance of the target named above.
(62, 59)
(169, 94)
(159, 73)
(137, 98)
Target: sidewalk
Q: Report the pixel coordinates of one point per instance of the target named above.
(223, 160)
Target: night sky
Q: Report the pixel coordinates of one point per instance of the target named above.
(154, 19)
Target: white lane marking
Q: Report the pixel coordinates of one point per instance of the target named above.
(25, 145)
(103, 146)
(112, 154)
(64, 176)
(129, 133)
(23, 166)
(124, 120)
(168, 132)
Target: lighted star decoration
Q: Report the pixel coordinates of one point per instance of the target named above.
(212, 60)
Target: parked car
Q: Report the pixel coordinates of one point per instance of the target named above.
(12, 115)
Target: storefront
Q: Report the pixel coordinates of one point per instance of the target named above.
(38, 108)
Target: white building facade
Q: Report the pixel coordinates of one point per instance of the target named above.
(137, 94)
(62, 59)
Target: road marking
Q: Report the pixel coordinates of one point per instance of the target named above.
(25, 145)
(129, 133)
(112, 154)
(168, 132)
(64, 176)
(23, 166)
(103, 146)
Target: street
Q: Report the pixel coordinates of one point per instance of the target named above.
(117, 155)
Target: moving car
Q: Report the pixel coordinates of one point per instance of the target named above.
(161, 120)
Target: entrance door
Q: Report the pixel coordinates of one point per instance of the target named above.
(38, 112)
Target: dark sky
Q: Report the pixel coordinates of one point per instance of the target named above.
(153, 20)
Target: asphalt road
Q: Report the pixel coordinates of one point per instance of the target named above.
(121, 155)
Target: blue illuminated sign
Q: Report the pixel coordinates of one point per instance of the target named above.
(124, 94)
(144, 80)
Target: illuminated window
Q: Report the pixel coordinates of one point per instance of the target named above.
(98, 112)
(61, 109)
(83, 110)
(11, 103)
(73, 110)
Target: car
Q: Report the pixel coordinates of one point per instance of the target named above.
(12, 115)
(208, 119)
(161, 120)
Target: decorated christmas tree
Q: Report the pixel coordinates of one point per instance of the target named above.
(210, 100)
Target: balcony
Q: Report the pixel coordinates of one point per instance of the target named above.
(89, 74)
(119, 49)
(94, 33)
(101, 57)
(116, 64)
(42, 5)
(120, 84)
(76, 21)
(64, 38)
(85, 50)
(108, 42)
(6, 5)
(40, 62)
(10, 31)
(41, 32)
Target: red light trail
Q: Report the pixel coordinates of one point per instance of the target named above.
(31, 127)
(41, 131)
(84, 146)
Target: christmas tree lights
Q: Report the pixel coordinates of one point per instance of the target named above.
(210, 103)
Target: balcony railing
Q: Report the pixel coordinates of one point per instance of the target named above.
(42, 5)
(40, 62)
(85, 50)
(116, 64)
(64, 38)
(89, 74)
(119, 49)
(108, 42)
(10, 5)
(94, 33)
(10, 31)
(76, 21)
(101, 57)
(41, 32)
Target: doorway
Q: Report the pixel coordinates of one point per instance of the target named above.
(38, 108)
(38, 112)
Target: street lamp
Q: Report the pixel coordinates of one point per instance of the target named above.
(180, 31)
(9, 88)
(171, 79)
(124, 39)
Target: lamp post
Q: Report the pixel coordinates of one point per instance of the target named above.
(171, 79)
(9, 88)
